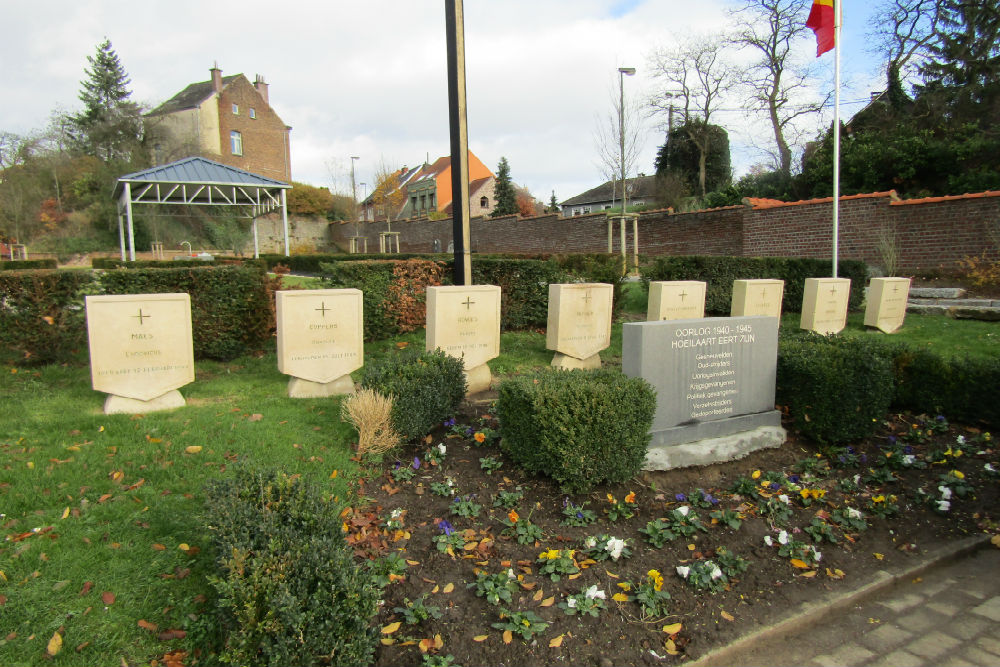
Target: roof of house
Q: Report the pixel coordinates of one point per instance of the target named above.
(640, 186)
(759, 203)
(190, 97)
(198, 171)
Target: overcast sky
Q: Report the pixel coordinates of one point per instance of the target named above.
(369, 78)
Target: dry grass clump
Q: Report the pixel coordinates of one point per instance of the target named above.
(371, 414)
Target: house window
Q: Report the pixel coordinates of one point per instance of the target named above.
(607, 207)
(253, 112)
(236, 142)
(430, 201)
(236, 109)
(484, 202)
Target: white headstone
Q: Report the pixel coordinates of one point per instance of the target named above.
(676, 300)
(886, 306)
(757, 297)
(464, 322)
(824, 305)
(579, 323)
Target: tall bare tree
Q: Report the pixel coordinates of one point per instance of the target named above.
(606, 138)
(901, 31)
(774, 80)
(389, 195)
(695, 78)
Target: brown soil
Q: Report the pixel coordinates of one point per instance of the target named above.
(770, 588)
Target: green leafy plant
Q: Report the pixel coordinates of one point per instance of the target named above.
(820, 530)
(429, 660)
(649, 594)
(576, 515)
(466, 507)
(445, 489)
(776, 509)
(495, 588)
(508, 499)
(604, 547)
(527, 624)
(589, 601)
(883, 506)
(403, 473)
(682, 521)
(622, 509)
(417, 611)
(730, 518)
(555, 563)
(436, 454)
(521, 528)
(745, 488)
(849, 519)
(388, 569)
(490, 464)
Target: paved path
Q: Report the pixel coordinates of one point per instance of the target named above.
(948, 616)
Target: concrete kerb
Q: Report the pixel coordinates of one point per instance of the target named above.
(812, 612)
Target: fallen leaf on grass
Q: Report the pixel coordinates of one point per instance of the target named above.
(448, 588)
(59, 585)
(672, 629)
(808, 575)
(192, 449)
(87, 585)
(82, 646)
(412, 562)
(671, 647)
(878, 555)
(799, 563)
(528, 587)
(55, 644)
(729, 617)
(159, 547)
(387, 641)
(391, 628)
(556, 642)
(538, 595)
(146, 625)
(619, 597)
(480, 638)
(107, 597)
(167, 635)
(65, 513)
(835, 574)
(508, 636)
(548, 602)
(255, 417)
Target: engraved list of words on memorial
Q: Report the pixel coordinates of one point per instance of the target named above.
(712, 385)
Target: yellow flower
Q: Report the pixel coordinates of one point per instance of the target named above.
(958, 473)
(878, 499)
(526, 623)
(513, 516)
(987, 437)
(630, 498)
(551, 554)
(611, 499)
(764, 483)
(480, 437)
(656, 578)
(804, 493)
(817, 493)
(756, 474)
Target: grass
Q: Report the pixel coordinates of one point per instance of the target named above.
(117, 499)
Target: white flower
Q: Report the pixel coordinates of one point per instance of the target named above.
(594, 592)
(396, 513)
(684, 571)
(989, 468)
(571, 603)
(683, 509)
(943, 505)
(817, 555)
(510, 573)
(716, 572)
(960, 439)
(784, 498)
(857, 479)
(590, 542)
(908, 459)
(768, 541)
(853, 513)
(442, 449)
(783, 537)
(614, 547)
(945, 492)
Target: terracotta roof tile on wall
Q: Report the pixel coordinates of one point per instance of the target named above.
(931, 200)
(758, 204)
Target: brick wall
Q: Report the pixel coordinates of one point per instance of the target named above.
(265, 138)
(930, 233)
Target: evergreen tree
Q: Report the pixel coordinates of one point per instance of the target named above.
(680, 155)
(503, 192)
(553, 204)
(110, 126)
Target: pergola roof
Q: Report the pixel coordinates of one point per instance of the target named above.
(196, 181)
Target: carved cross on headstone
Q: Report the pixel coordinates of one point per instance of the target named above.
(322, 309)
(468, 303)
(587, 297)
(140, 316)
(682, 294)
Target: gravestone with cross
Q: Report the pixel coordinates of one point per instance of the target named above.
(141, 350)
(579, 323)
(320, 340)
(464, 322)
(676, 300)
(824, 305)
(757, 297)
(886, 303)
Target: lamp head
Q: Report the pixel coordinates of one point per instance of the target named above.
(628, 71)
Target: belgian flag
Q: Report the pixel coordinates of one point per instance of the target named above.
(821, 20)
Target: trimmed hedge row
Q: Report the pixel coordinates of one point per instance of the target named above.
(27, 264)
(837, 389)
(115, 263)
(314, 263)
(720, 272)
(42, 319)
(230, 305)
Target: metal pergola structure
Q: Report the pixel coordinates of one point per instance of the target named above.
(196, 181)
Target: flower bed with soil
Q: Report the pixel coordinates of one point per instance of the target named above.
(485, 565)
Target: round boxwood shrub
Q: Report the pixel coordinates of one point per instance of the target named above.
(581, 428)
(428, 388)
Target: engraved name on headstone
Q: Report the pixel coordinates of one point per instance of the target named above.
(676, 300)
(824, 305)
(464, 322)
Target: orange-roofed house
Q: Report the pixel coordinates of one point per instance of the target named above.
(428, 190)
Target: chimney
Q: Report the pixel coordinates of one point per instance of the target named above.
(261, 88)
(216, 77)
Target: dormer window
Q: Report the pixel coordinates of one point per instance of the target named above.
(253, 112)
(236, 109)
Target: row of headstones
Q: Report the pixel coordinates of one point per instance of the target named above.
(141, 347)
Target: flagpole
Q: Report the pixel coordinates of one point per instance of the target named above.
(836, 130)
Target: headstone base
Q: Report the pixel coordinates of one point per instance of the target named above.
(568, 363)
(120, 405)
(299, 388)
(713, 450)
(477, 379)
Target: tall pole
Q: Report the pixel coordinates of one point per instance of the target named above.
(354, 198)
(622, 71)
(836, 131)
(455, 29)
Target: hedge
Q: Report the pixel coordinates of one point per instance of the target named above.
(115, 263)
(231, 310)
(42, 319)
(27, 264)
(720, 272)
